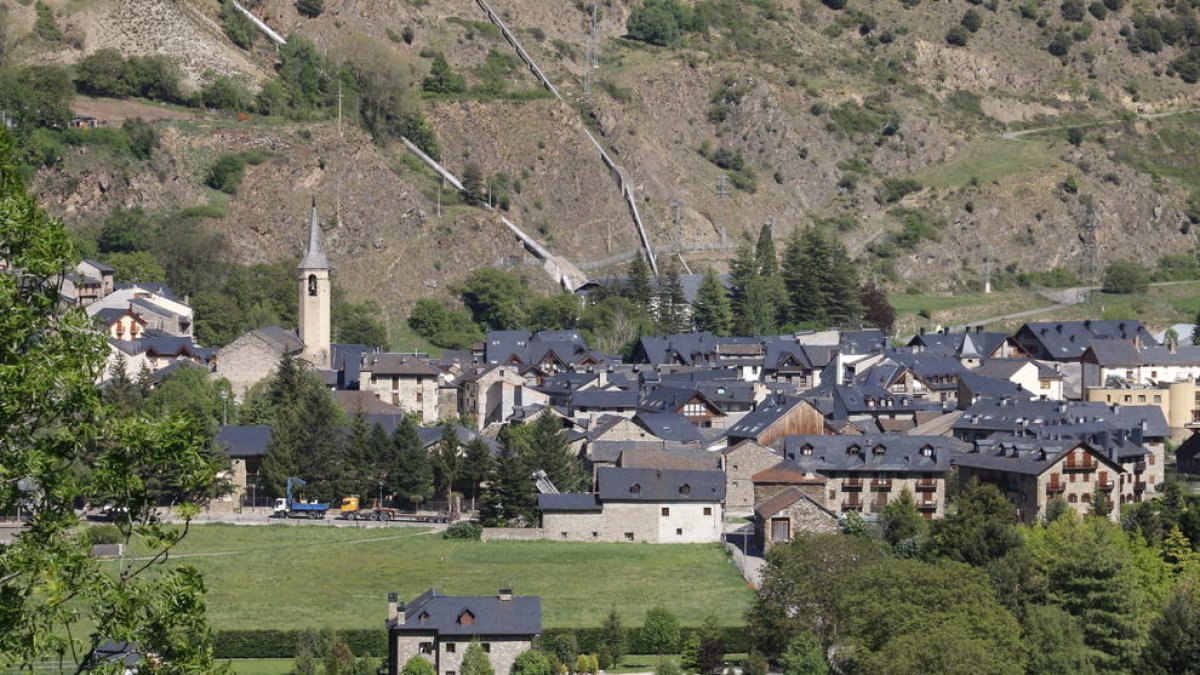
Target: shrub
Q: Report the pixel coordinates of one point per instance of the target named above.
(103, 73)
(44, 26)
(1075, 136)
(96, 535)
(972, 21)
(464, 530)
(1072, 10)
(156, 77)
(1114, 5)
(1059, 45)
(834, 4)
(894, 189)
(1125, 276)
(226, 173)
(442, 79)
(310, 8)
(226, 93)
(1098, 10)
(237, 27)
(143, 139)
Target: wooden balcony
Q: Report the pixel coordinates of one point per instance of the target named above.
(881, 484)
(852, 504)
(1106, 484)
(878, 504)
(927, 505)
(852, 484)
(926, 485)
(1084, 465)
(1055, 488)
(1139, 467)
(1139, 486)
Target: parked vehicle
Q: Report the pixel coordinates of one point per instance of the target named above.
(351, 509)
(289, 507)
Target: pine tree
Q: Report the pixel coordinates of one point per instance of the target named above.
(612, 637)
(412, 479)
(764, 252)
(674, 314)
(743, 274)
(448, 461)
(508, 498)
(711, 310)
(638, 287)
(901, 519)
(472, 182)
(478, 465)
(442, 79)
(843, 306)
(802, 275)
(122, 394)
(549, 451)
(1173, 644)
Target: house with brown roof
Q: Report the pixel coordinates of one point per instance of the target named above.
(784, 475)
(778, 519)
(404, 380)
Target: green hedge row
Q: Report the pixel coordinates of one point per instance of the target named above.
(281, 644)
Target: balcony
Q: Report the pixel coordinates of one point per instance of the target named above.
(927, 505)
(881, 484)
(926, 485)
(852, 484)
(1139, 467)
(1084, 465)
(1139, 486)
(878, 504)
(852, 504)
(1055, 488)
(1106, 484)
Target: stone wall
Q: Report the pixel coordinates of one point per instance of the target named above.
(682, 523)
(512, 534)
(740, 464)
(245, 362)
(446, 654)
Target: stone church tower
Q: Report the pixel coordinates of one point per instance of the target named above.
(314, 298)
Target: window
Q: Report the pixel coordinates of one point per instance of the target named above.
(806, 450)
(1128, 398)
(564, 535)
(708, 510)
(1154, 374)
(312, 285)
(1141, 398)
(927, 450)
(666, 511)
(1072, 498)
(679, 531)
(451, 647)
(628, 536)
(1151, 460)
(635, 489)
(1087, 477)
(1086, 499)
(595, 535)
(426, 647)
(1045, 384)
(685, 489)
(487, 647)
(1157, 398)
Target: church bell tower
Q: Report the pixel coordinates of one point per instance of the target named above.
(314, 298)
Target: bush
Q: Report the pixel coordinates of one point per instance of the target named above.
(1098, 10)
(96, 535)
(237, 27)
(226, 173)
(103, 73)
(143, 139)
(310, 8)
(834, 4)
(663, 22)
(1072, 10)
(1060, 45)
(894, 189)
(44, 26)
(226, 93)
(466, 529)
(972, 21)
(1125, 276)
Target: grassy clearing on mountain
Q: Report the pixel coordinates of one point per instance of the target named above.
(987, 160)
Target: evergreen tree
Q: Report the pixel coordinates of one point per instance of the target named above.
(661, 631)
(982, 530)
(638, 287)
(1173, 645)
(1055, 642)
(472, 182)
(764, 252)
(509, 497)
(803, 273)
(674, 314)
(1101, 506)
(711, 310)
(122, 393)
(549, 451)
(612, 638)
(306, 434)
(448, 461)
(442, 79)
(901, 519)
(412, 479)
(478, 466)
(840, 287)
(475, 661)
(804, 656)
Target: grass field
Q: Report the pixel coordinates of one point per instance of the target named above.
(953, 310)
(1160, 307)
(317, 577)
(987, 160)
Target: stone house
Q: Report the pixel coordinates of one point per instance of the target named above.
(404, 380)
(254, 356)
(640, 505)
(740, 462)
(246, 447)
(120, 324)
(784, 475)
(778, 519)
(161, 309)
(440, 627)
(1032, 473)
(491, 394)
(774, 418)
(1039, 379)
(865, 473)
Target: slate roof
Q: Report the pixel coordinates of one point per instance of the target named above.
(100, 267)
(314, 255)
(669, 426)
(245, 441)
(769, 411)
(151, 306)
(1005, 417)
(347, 361)
(1004, 368)
(610, 452)
(783, 500)
(605, 399)
(108, 315)
(973, 343)
(158, 289)
(1067, 340)
(981, 387)
(788, 472)
(355, 401)
(431, 435)
(660, 485)
(875, 452)
(570, 501)
(1125, 353)
(280, 338)
(1025, 457)
(434, 612)
(405, 365)
(654, 458)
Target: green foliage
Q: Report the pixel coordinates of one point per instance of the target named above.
(37, 96)
(143, 139)
(972, 20)
(464, 530)
(226, 173)
(237, 27)
(1055, 642)
(419, 665)
(981, 530)
(310, 8)
(556, 312)
(47, 373)
(357, 323)
(916, 227)
(663, 22)
(475, 661)
(958, 36)
(531, 662)
(1060, 44)
(442, 79)
(1173, 644)
(711, 310)
(822, 283)
(894, 189)
(661, 631)
(672, 312)
(495, 298)
(106, 72)
(1125, 276)
(611, 642)
(103, 73)
(226, 93)
(510, 498)
(901, 521)
(385, 104)
(44, 25)
(444, 327)
(804, 656)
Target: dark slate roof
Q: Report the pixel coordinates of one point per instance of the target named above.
(387, 363)
(1125, 353)
(1189, 449)
(728, 396)
(862, 341)
(768, 412)
(670, 399)
(873, 452)
(101, 267)
(1025, 457)
(970, 343)
(1067, 340)
(787, 354)
(605, 399)
(669, 426)
(684, 348)
(431, 435)
(110, 314)
(158, 289)
(150, 306)
(1004, 368)
(690, 458)
(609, 452)
(571, 501)
(347, 360)
(850, 400)
(660, 485)
(110, 651)
(1006, 417)
(432, 611)
(281, 338)
(981, 387)
(245, 441)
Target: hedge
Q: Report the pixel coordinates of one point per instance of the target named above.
(281, 644)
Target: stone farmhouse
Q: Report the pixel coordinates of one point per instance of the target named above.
(440, 627)
(640, 505)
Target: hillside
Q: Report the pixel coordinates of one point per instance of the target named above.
(862, 119)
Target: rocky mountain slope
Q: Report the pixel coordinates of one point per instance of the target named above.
(862, 119)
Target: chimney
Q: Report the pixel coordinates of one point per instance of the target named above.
(395, 610)
(505, 595)
(922, 330)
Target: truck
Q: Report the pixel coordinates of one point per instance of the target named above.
(351, 509)
(289, 507)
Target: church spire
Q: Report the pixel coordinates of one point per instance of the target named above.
(314, 257)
